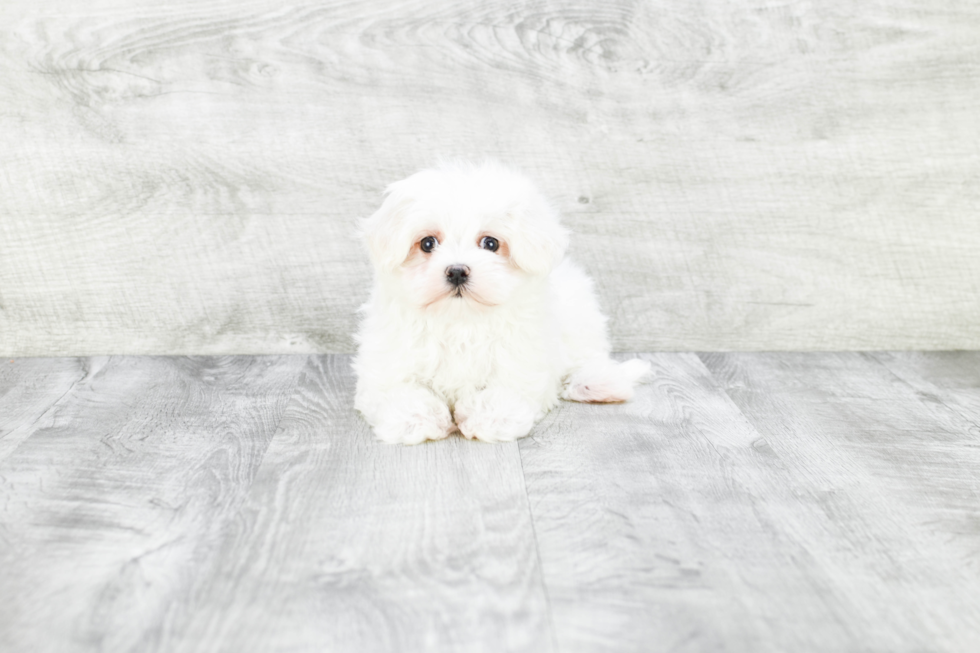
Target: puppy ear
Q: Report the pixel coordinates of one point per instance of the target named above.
(537, 240)
(384, 230)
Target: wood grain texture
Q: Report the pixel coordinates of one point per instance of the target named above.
(741, 502)
(890, 478)
(780, 503)
(349, 544)
(183, 177)
(951, 378)
(112, 505)
(30, 389)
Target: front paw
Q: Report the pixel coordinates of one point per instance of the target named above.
(410, 416)
(495, 415)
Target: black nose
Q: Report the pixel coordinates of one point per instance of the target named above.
(457, 274)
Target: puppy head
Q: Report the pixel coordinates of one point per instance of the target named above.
(459, 232)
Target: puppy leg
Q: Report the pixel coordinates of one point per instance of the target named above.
(603, 380)
(495, 415)
(406, 414)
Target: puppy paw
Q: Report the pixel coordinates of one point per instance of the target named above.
(606, 381)
(409, 416)
(495, 415)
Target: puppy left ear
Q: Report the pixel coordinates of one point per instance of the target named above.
(537, 241)
(383, 231)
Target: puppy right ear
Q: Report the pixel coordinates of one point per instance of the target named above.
(383, 230)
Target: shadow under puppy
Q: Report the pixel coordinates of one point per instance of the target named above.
(476, 321)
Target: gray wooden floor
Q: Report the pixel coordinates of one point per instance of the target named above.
(742, 502)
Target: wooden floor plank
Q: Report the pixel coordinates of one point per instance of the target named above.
(675, 522)
(895, 480)
(29, 389)
(655, 527)
(348, 544)
(951, 378)
(762, 502)
(109, 509)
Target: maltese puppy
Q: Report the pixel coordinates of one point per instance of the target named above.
(476, 321)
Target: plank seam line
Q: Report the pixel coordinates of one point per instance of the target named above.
(277, 429)
(537, 553)
(966, 416)
(54, 404)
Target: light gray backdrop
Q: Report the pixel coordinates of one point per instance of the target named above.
(180, 176)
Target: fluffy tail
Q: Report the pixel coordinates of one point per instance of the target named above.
(603, 380)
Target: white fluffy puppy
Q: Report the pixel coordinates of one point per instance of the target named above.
(476, 322)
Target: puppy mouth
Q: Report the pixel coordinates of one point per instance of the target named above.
(453, 293)
(456, 289)
(457, 293)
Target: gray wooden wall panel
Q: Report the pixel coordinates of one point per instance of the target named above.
(182, 177)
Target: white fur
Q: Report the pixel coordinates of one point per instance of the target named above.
(525, 329)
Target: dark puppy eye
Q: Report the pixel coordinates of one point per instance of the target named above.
(489, 243)
(428, 244)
